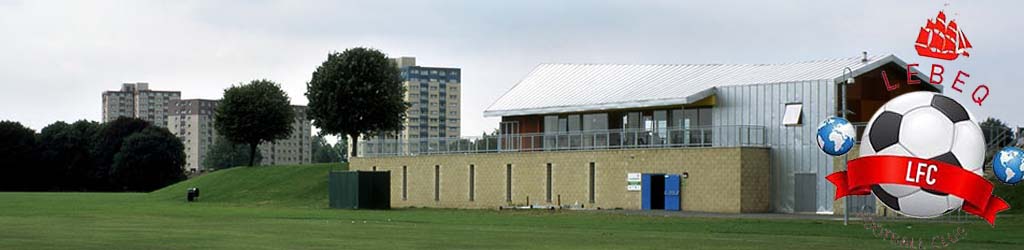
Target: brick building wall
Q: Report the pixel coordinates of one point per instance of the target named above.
(725, 180)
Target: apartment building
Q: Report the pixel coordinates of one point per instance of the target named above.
(193, 121)
(435, 116)
(138, 101)
(294, 150)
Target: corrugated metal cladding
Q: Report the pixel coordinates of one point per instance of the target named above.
(793, 148)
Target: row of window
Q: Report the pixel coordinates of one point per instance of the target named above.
(435, 72)
(432, 120)
(413, 96)
(201, 104)
(415, 79)
(414, 88)
(471, 195)
(413, 112)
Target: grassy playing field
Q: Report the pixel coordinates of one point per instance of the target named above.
(284, 208)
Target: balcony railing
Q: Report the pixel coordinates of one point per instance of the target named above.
(716, 136)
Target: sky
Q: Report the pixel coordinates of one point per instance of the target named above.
(57, 57)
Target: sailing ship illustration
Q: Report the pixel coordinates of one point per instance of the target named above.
(942, 41)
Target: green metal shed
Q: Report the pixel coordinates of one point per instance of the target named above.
(359, 189)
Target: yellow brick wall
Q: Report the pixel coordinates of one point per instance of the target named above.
(728, 180)
(839, 206)
(755, 181)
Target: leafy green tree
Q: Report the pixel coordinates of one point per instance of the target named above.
(226, 154)
(149, 160)
(254, 113)
(18, 155)
(996, 132)
(323, 152)
(66, 153)
(108, 143)
(356, 92)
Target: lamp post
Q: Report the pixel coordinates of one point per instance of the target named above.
(846, 157)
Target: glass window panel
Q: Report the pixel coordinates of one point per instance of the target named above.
(563, 126)
(677, 118)
(644, 134)
(633, 120)
(550, 129)
(704, 117)
(550, 124)
(594, 125)
(574, 122)
(792, 115)
(574, 137)
(660, 126)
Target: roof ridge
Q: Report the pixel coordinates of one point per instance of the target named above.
(872, 58)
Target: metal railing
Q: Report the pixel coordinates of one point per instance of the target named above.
(716, 136)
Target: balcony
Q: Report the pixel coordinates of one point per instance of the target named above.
(716, 136)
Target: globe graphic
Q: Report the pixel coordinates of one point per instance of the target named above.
(1008, 165)
(836, 136)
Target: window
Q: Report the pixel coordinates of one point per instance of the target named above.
(548, 196)
(793, 114)
(591, 194)
(472, 184)
(550, 129)
(405, 193)
(660, 126)
(437, 182)
(508, 183)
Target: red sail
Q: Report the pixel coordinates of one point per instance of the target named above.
(936, 39)
(963, 44)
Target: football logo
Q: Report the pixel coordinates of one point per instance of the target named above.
(922, 155)
(924, 125)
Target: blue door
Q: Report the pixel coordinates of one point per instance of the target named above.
(672, 192)
(645, 192)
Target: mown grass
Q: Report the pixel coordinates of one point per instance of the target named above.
(269, 208)
(279, 186)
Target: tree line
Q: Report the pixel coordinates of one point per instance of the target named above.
(353, 93)
(126, 154)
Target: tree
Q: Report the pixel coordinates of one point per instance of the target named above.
(108, 142)
(997, 136)
(66, 153)
(323, 152)
(226, 154)
(149, 160)
(341, 147)
(254, 113)
(356, 92)
(18, 148)
(996, 132)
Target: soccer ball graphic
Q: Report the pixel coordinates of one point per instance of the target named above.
(929, 126)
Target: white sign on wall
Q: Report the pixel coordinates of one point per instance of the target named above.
(633, 182)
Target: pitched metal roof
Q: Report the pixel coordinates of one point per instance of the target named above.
(561, 88)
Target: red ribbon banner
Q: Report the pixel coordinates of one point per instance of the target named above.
(864, 172)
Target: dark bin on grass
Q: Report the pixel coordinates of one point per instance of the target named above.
(192, 194)
(359, 189)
